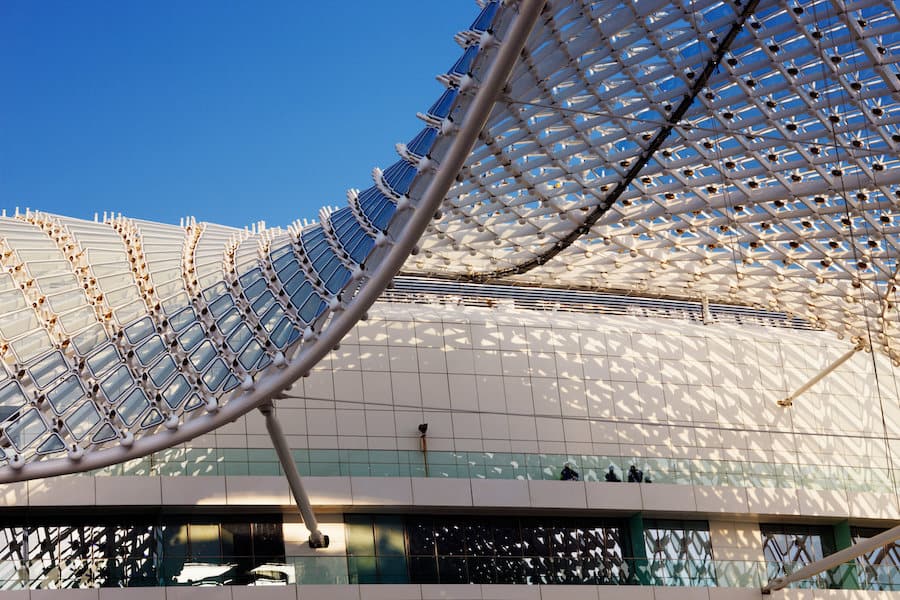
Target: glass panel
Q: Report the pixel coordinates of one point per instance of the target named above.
(215, 375)
(192, 336)
(133, 406)
(64, 395)
(103, 359)
(12, 398)
(149, 350)
(239, 338)
(83, 420)
(175, 392)
(24, 431)
(162, 371)
(116, 383)
(140, 330)
(201, 357)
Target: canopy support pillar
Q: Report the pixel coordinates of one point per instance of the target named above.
(789, 401)
(316, 538)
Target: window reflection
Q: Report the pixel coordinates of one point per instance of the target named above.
(789, 547)
(456, 549)
(164, 551)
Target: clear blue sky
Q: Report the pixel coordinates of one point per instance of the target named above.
(229, 111)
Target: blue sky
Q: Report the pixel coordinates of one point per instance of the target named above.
(229, 111)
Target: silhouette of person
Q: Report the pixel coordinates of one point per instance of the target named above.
(568, 474)
(611, 474)
(635, 475)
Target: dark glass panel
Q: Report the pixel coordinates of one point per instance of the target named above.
(423, 569)
(452, 569)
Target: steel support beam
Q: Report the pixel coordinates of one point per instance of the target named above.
(833, 560)
(789, 401)
(316, 538)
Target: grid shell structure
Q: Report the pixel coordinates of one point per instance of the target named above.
(743, 152)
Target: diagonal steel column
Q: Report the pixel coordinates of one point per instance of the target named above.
(789, 401)
(316, 538)
(479, 111)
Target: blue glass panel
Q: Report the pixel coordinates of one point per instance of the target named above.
(294, 283)
(103, 359)
(282, 260)
(282, 334)
(228, 322)
(249, 277)
(214, 291)
(317, 252)
(140, 330)
(337, 280)
(61, 398)
(263, 303)
(328, 268)
(133, 406)
(280, 251)
(149, 350)
(422, 143)
(202, 355)
(221, 305)
(106, 433)
(161, 371)
(89, 339)
(51, 445)
(152, 419)
(255, 289)
(399, 176)
(215, 375)
(300, 297)
(484, 20)
(176, 392)
(12, 398)
(271, 318)
(374, 204)
(250, 355)
(191, 337)
(383, 217)
(182, 319)
(230, 383)
(116, 383)
(311, 308)
(441, 108)
(362, 249)
(23, 432)
(83, 420)
(48, 368)
(288, 271)
(239, 338)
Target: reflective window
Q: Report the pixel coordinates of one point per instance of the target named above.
(137, 551)
(789, 547)
(456, 550)
(679, 553)
(879, 569)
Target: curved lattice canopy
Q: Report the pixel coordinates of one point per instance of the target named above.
(740, 150)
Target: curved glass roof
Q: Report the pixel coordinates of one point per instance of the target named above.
(741, 151)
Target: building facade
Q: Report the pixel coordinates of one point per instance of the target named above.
(736, 490)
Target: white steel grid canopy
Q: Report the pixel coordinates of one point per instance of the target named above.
(743, 152)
